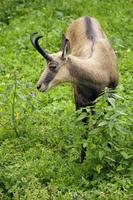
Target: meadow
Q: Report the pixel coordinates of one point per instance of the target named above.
(40, 133)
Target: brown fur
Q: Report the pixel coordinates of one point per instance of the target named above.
(87, 40)
(90, 66)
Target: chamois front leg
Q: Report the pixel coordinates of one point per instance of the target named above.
(85, 121)
(83, 97)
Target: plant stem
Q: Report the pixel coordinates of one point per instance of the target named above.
(13, 108)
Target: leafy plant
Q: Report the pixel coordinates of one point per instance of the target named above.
(41, 134)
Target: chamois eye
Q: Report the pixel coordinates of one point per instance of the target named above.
(52, 67)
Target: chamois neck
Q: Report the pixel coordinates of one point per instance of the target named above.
(84, 51)
(74, 64)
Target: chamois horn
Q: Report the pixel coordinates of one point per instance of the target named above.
(38, 47)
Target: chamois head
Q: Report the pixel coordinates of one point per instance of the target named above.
(56, 70)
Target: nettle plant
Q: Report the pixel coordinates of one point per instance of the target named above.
(109, 139)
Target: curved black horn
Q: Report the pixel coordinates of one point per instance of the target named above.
(38, 47)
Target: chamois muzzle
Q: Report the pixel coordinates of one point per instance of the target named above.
(36, 45)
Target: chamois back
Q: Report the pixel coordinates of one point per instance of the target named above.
(82, 34)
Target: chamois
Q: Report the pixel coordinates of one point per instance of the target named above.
(86, 59)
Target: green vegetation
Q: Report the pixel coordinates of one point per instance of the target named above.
(40, 134)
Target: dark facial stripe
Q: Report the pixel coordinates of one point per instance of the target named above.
(90, 34)
(49, 77)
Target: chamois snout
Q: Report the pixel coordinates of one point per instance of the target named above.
(41, 86)
(38, 86)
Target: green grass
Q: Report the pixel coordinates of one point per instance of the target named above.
(40, 134)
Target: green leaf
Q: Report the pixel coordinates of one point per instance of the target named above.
(112, 102)
(117, 96)
(82, 116)
(124, 154)
(98, 168)
(102, 123)
(101, 154)
(84, 144)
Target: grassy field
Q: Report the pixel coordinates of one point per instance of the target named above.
(40, 134)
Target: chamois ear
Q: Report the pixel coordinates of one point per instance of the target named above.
(65, 47)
